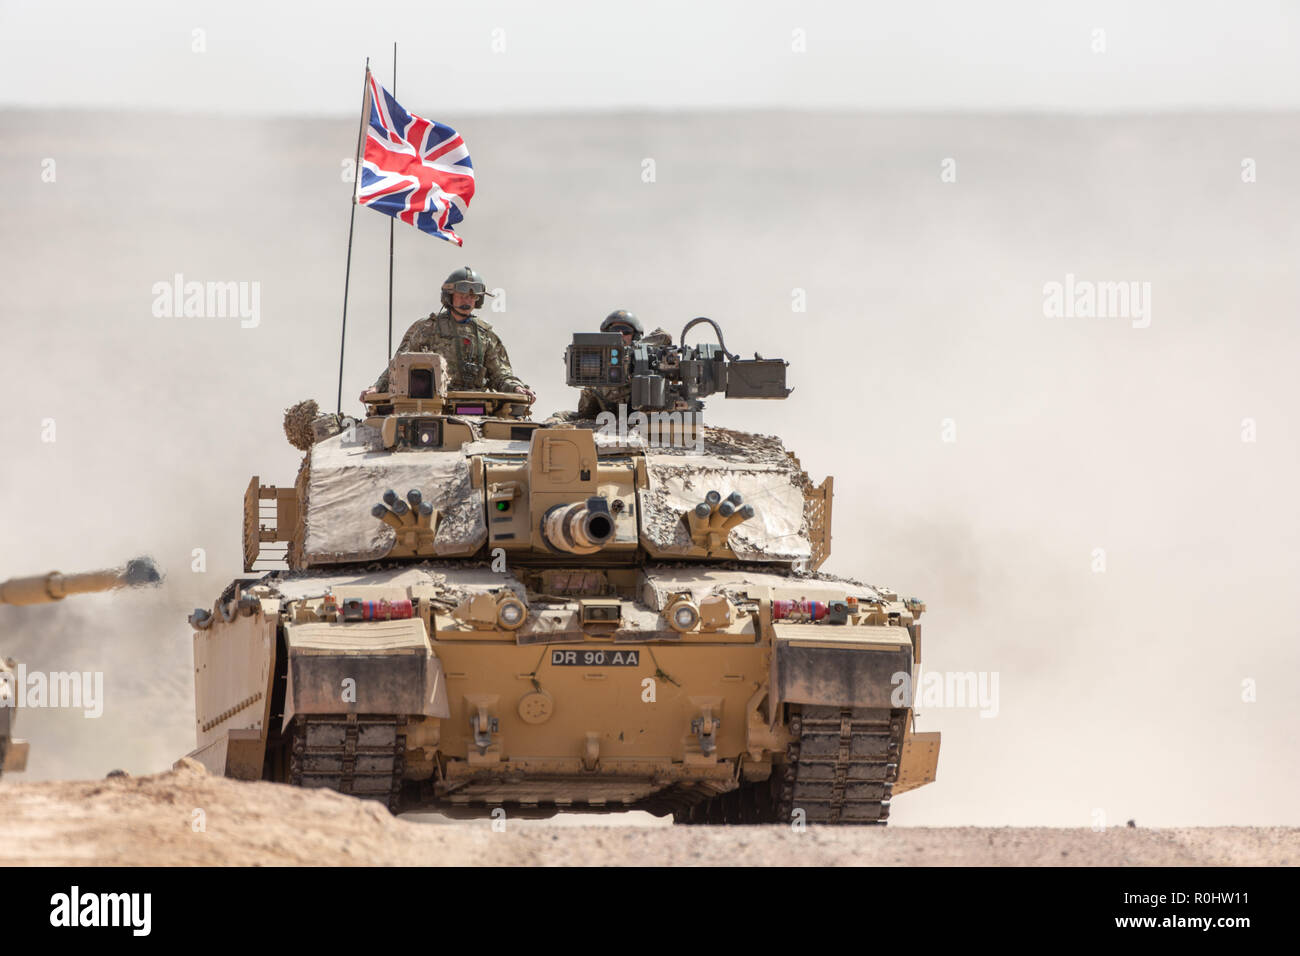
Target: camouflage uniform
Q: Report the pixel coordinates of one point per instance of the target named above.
(476, 359)
(593, 401)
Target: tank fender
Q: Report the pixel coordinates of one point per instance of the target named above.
(840, 666)
(371, 667)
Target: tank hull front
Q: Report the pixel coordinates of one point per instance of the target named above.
(414, 685)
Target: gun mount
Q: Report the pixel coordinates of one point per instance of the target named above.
(673, 377)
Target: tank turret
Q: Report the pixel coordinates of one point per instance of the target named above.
(473, 609)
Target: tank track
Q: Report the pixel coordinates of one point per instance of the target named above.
(355, 754)
(839, 770)
(842, 765)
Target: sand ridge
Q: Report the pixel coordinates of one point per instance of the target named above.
(186, 817)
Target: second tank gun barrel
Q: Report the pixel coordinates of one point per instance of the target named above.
(51, 587)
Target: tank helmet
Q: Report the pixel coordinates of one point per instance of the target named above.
(620, 320)
(464, 280)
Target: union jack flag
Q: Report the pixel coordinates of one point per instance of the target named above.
(414, 169)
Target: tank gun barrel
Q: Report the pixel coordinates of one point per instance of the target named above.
(583, 527)
(51, 587)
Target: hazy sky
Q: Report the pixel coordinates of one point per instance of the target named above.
(517, 55)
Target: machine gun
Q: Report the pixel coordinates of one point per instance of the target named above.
(671, 376)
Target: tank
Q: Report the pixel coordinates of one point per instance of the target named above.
(476, 610)
(48, 589)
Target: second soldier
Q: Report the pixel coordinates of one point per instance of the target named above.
(593, 401)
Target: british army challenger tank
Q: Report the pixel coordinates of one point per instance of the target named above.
(480, 610)
(47, 589)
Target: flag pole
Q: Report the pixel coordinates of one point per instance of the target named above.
(391, 224)
(347, 273)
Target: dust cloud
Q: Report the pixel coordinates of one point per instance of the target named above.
(1072, 497)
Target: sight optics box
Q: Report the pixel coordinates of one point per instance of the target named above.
(417, 375)
(597, 359)
(668, 376)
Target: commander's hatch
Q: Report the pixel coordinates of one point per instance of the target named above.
(418, 384)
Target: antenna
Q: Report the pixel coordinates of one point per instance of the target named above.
(347, 272)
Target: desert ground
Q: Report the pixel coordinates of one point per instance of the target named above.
(186, 817)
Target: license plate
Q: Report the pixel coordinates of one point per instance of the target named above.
(567, 657)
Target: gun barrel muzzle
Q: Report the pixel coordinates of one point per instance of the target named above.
(583, 527)
(51, 587)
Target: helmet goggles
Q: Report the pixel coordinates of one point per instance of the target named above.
(465, 286)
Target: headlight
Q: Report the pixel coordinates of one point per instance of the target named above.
(511, 613)
(683, 616)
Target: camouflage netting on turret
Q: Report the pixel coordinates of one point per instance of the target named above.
(348, 478)
(772, 483)
(297, 424)
(454, 582)
(661, 585)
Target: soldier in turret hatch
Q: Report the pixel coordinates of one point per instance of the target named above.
(476, 359)
(593, 401)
